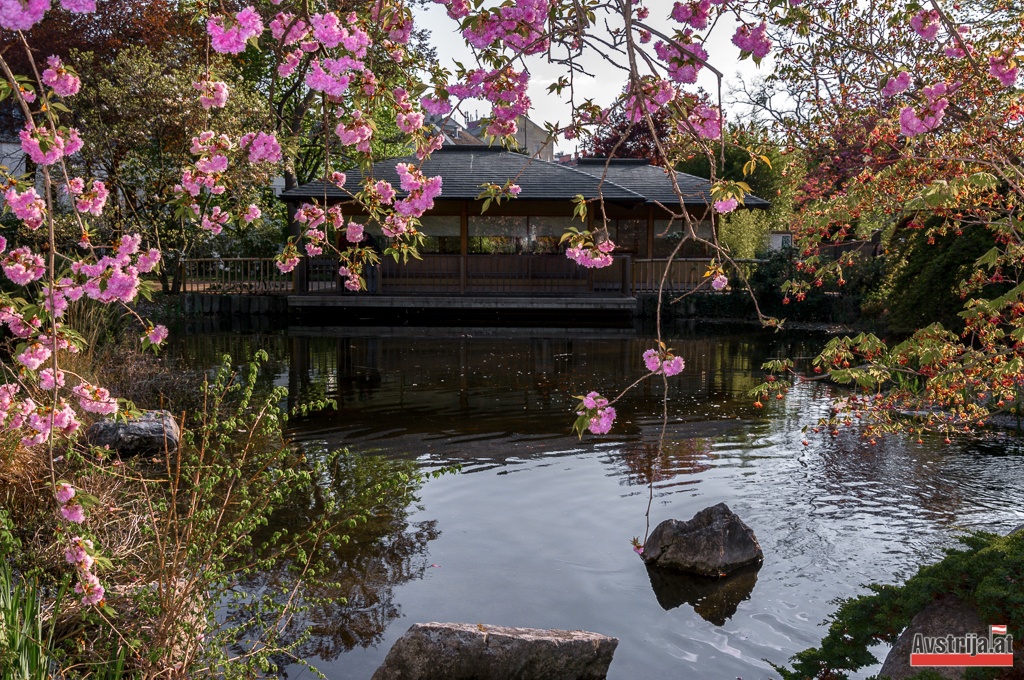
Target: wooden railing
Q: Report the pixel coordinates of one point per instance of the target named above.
(234, 275)
(685, 274)
(448, 274)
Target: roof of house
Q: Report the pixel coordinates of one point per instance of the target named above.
(465, 168)
(655, 183)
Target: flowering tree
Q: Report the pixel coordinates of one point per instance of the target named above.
(939, 109)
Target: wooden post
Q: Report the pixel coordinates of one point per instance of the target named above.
(464, 233)
(650, 245)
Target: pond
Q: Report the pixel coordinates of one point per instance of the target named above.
(535, 530)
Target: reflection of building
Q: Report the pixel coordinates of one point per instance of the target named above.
(509, 247)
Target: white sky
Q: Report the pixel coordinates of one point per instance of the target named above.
(608, 81)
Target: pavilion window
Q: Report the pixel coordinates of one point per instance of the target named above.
(498, 234)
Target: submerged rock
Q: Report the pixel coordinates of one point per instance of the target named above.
(464, 651)
(713, 543)
(153, 433)
(714, 599)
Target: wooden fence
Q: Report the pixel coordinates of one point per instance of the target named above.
(448, 274)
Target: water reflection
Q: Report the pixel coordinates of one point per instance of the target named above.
(715, 600)
(536, 530)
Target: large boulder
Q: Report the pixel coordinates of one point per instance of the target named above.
(153, 433)
(464, 651)
(713, 543)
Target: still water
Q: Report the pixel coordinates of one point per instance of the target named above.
(535, 530)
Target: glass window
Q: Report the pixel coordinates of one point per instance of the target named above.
(631, 237)
(443, 234)
(667, 236)
(497, 234)
(545, 232)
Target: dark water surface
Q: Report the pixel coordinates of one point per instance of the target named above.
(535, 531)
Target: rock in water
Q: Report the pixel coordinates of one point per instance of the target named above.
(713, 543)
(153, 433)
(464, 651)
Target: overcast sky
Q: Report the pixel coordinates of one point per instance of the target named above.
(608, 82)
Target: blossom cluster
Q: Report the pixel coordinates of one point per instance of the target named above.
(599, 415)
(21, 15)
(520, 26)
(80, 552)
(663, 361)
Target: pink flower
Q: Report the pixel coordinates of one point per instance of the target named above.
(27, 206)
(726, 206)
(287, 264)
(95, 399)
(719, 282)
(754, 41)
(602, 422)
(63, 81)
(896, 85)
(1004, 69)
(157, 334)
(706, 121)
(90, 589)
(252, 214)
(231, 39)
(22, 266)
(19, 15)
(46, 379)
(693, 13)
(926, 24)
(212, 94)
(148, 261)
(93, 201)
(354, 232)
(264, 147)
(73, 512)
(338, 179)
(64, 493)
(34, 356)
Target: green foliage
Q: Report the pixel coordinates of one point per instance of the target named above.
(985, 573)
(752, 157)
(25, 638)
(922, 280)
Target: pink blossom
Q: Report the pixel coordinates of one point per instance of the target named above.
(693, 13)
(287, 263)
(353, 283)
(251, 214)
(264, 148)
(89, 587)
(913, 123)
(19, 15)
(720, 282)
(46, 380)
(338, 179)
(42, 146)
(63, 81)
(602, 422)
(73, 512)
(95, 399)
(212, 93)
(354, 232)
(231, 39)
(926, 24)
(754, 40)
(34, 356)
(214, 221)
(64, 492)
(147, 262)
(157, 334)
(706, 121)
(92, 202)
(436, 106)
(1004, 69)
(726, 205)
(684, 62)
(27, 206)
(897, 84)
(22, 266)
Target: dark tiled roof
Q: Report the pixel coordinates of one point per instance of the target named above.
(465, 168)
(655, 184)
